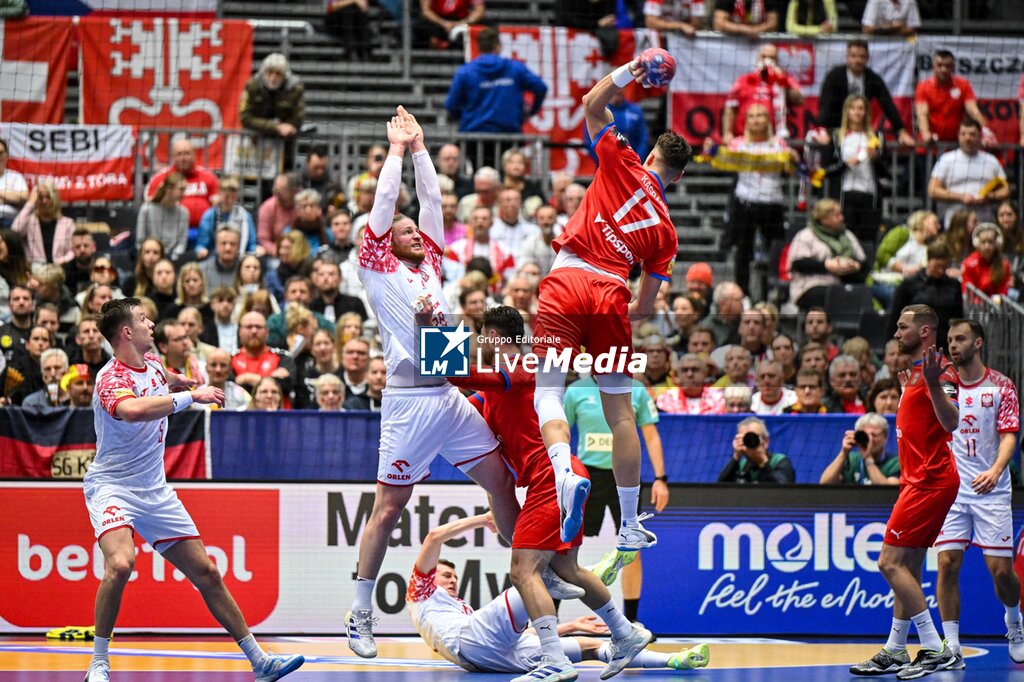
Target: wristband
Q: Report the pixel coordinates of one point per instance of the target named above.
(181, 401)
(663, 478)
(621, 77)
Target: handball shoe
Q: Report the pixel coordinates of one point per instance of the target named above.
(274, 667)
(99, 671)
(572, 495)
(632, 538)
(690, 659)
(359, 626)
(1015, 633)
(882, 663)
(558, 588)
(926, 662)
(607, 569)
(550, 670)
(623, 651)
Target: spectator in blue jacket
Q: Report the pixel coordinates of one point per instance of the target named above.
(629, 120)
(486, 95)
(227, 211)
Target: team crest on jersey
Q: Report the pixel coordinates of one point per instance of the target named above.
(987, 400)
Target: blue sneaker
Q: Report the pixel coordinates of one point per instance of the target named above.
(572, 495)
(274, 667)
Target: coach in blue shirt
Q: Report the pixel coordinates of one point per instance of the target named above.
(486, 95)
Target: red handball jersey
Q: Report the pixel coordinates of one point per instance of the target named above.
(506, 401)
(623, 219)
(925, 448)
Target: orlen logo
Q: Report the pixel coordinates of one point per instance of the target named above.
(825, 546)
(56, 553)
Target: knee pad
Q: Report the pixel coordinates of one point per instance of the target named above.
(614, 384)
(547, 400)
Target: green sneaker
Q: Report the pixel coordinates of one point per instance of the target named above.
(690, 659)
(607, 569)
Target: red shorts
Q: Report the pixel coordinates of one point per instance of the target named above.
(539, 522)
(579, 308)
(918, 514)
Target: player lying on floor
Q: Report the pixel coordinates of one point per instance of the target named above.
(494, 638)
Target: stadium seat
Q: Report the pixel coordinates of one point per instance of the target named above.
(844, 304)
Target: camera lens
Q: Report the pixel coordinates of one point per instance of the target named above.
(861, 438)
(751, 440)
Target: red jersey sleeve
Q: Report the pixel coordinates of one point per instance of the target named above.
(612, 155)
(1008, 417)
(421, 586)
(966, 89)
(115, 386)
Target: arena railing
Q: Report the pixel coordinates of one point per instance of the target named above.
(1003, 320)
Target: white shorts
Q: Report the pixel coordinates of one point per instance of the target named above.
(987, 525)
(416, 424)
(158, 516)
(491, 642)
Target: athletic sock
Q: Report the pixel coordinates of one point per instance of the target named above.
(364, 594)
(101, 648)
(629, 499)
(898, 636)
(630, 607)
(951, 629)
(613, 618)
(644, 659)
(517, 610)
(547, 632)
(926, 632)
(1012, 614)
(561, 460)
(252, 650)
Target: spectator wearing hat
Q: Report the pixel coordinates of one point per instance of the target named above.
(79, 384)
(700, 280)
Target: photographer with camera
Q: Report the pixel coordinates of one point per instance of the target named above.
(752, 461)
(862, 459)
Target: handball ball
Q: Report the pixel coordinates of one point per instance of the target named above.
(659, 65)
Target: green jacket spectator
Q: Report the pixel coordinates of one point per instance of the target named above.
(862, 458)
(274, 100)
(752, 461)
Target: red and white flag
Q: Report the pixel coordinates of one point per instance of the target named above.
(34, 69)
(84, 163)
(166, 73)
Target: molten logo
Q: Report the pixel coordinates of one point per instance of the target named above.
(400, 464)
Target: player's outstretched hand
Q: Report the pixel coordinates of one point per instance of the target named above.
(176, 382)
(208, 395)
(589, 625)
(931, 365)
(397, 134)
(412, 127)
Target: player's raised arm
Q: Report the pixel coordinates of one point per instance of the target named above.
(389, 182)
(428, 191)
(595, 102)
(942, 388)
(430, 551)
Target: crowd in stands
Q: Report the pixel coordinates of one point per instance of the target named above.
(264, 301)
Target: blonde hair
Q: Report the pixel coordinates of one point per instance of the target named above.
(844, 125)
(823, 208)
(174, 179)
(296, 315)
(188, 269)
(300, 247)
(50, 190)
(916, 220)
(339, 328)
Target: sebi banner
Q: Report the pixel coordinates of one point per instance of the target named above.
(787, 561)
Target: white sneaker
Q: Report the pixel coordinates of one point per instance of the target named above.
(1015, 633)
(623, 651)
(550, 670)
(274, 667)
(99, 671)
(359, 627)
(572, 493)
(632, 538)
(558, 588)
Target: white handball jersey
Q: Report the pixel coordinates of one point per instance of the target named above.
(988, 409)
(129, 455)
(436, 615)
(391, 285)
